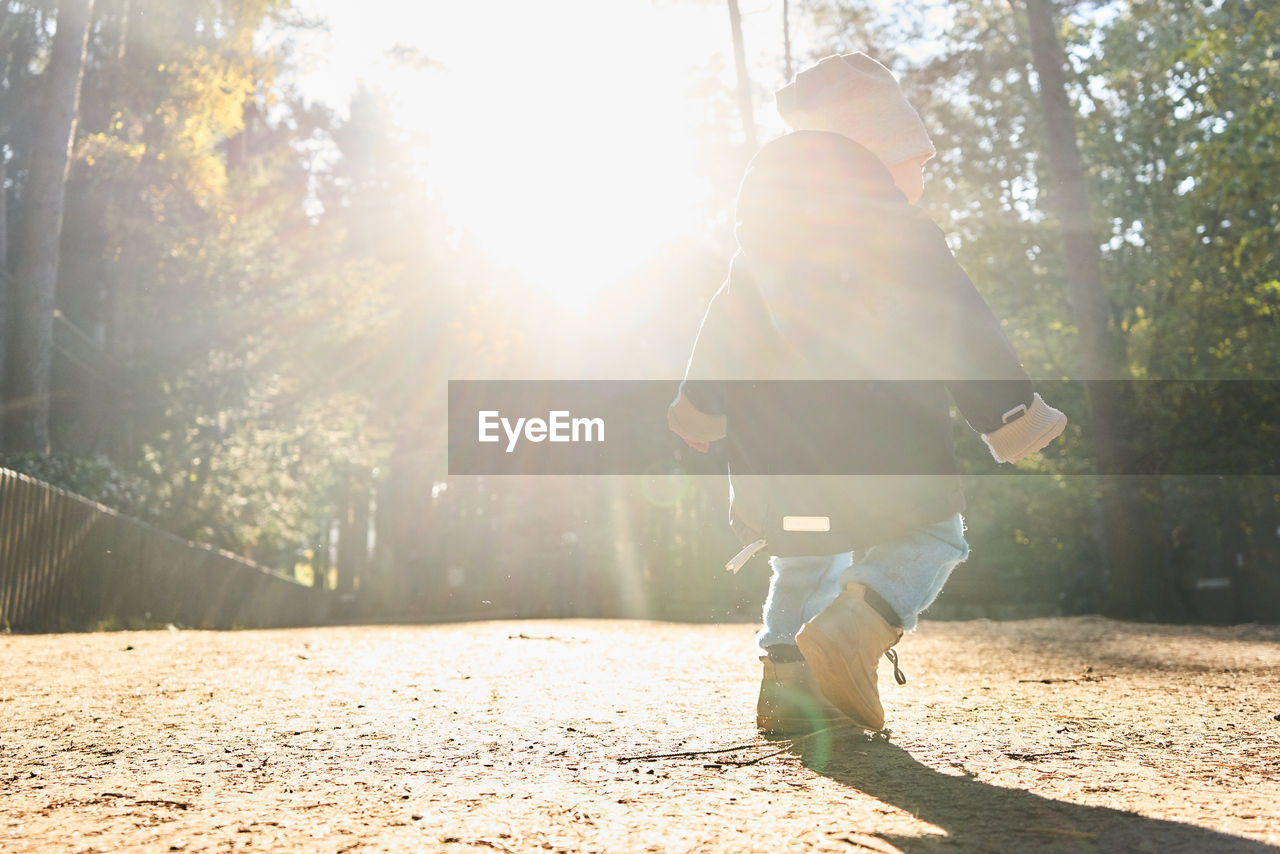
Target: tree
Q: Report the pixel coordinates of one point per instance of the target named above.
(1134, 551)
(5, 284)
(745, 107)
(36, 266)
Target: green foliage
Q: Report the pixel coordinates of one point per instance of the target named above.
(1033, 542)
(1181, 108)
(96, 478)
(192, 283)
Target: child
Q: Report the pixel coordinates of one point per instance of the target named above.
(838, 276)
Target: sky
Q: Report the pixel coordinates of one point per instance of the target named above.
(560, 132)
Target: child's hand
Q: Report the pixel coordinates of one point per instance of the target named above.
(1039, 425)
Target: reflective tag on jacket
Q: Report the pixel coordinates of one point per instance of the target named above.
(811, 524)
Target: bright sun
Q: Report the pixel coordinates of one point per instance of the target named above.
(561, 133)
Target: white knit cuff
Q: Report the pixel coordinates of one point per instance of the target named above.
(1025, 435)
(692, 424)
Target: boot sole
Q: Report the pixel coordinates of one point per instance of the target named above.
(803, 717)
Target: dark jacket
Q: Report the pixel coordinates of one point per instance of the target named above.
(887, 306)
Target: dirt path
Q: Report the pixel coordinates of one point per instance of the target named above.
(1044, 735)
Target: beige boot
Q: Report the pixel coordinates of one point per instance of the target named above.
(843, 645)
(790, 701)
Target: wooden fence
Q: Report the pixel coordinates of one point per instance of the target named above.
(68, 563)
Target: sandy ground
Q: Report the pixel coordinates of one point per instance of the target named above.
(1044, 735)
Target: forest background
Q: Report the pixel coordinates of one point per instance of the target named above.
(245, 302)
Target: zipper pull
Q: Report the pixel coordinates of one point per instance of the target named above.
(745, 555)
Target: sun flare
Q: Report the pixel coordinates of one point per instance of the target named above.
(568, 154)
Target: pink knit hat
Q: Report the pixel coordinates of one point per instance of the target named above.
(857, 97)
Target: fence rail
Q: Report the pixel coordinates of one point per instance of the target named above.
(67, 562)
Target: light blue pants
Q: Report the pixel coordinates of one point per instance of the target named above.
(908, 573)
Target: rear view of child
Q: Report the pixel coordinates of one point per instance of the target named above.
(839, 277)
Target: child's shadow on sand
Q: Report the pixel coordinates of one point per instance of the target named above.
(983, 817)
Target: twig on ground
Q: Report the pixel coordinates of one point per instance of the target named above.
(161, 802)
(759, 758)
(691, 754)
(1087, 676)
(523, 636)
(1032, 757)
(750, 745)
(1052, 681)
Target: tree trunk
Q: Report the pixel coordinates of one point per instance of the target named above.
(4, 279)
(343, 574)
(36, 265)
(360, 530)
(744, 81)
(1132, 542)
(122, 28)
(787, 71)
(353, 531)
